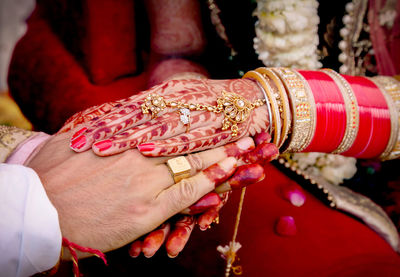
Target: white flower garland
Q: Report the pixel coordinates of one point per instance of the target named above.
(287, 33)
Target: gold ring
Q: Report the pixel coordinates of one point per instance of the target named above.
(184, 116)
(179, 167)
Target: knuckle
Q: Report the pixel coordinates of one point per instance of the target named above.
(187, 190)
(196, 162)
(184, 195)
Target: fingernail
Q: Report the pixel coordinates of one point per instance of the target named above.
(146, 147)
(286, 226)
(203, 228)
(246, 175)
(294, 195)
(135, 249)
(103, 145)
(208, 201)
(172, 256)
(79, 142)
(245, 143)
(264, 152)
(78, 133)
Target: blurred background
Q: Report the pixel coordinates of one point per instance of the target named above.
(13, 14)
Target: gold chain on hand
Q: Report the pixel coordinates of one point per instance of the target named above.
(236, 109)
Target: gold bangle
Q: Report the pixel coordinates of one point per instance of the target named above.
(236, 109)
(390, 88)
(276, 118)
(303, 109)
(269, 130)
(352, 113)
(282, 100)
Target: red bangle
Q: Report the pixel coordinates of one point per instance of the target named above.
(331, 112)
(374, 125)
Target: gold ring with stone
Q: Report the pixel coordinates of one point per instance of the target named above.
(184, 116)
(179, 167)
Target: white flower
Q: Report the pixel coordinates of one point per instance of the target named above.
(336, 175)
(287, 33)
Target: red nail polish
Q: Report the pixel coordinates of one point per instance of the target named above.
(78, 133)
(103, 145)
(146, 147)
(208, 201)
(79, 142)
(246, 175)
(135, 249)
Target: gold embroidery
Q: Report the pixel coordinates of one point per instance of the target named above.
(10, 138)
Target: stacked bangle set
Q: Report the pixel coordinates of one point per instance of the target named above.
(323, 111)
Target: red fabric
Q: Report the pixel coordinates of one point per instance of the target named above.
(110, 46)
(327, 243)
(50, 85)
(385, 41)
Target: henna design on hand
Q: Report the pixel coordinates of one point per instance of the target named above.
(179, 236)
(119, 122)
(155, 239)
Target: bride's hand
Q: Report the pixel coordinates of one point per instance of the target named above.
(125, 126)
(175, 232)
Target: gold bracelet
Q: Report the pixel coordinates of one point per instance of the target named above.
(269, 130)
(352, 113)
(282, 100)
(303, 109)
(276, 118)
(390, 88)
(236, 109)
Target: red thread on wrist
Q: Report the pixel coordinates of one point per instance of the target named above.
(374, 127)
(331, 112)
(73, 246)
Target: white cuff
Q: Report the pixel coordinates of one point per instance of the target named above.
(30, 235)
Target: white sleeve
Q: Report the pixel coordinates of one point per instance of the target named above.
(30, 235)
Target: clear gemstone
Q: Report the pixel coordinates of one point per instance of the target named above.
(240, 103)
(185, 112)
(229, 109)
(184, 119)
(232, 114)
(238, 117)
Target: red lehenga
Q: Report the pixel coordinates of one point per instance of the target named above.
(52, 76)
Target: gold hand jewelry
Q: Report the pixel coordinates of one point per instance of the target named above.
(236, 109)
